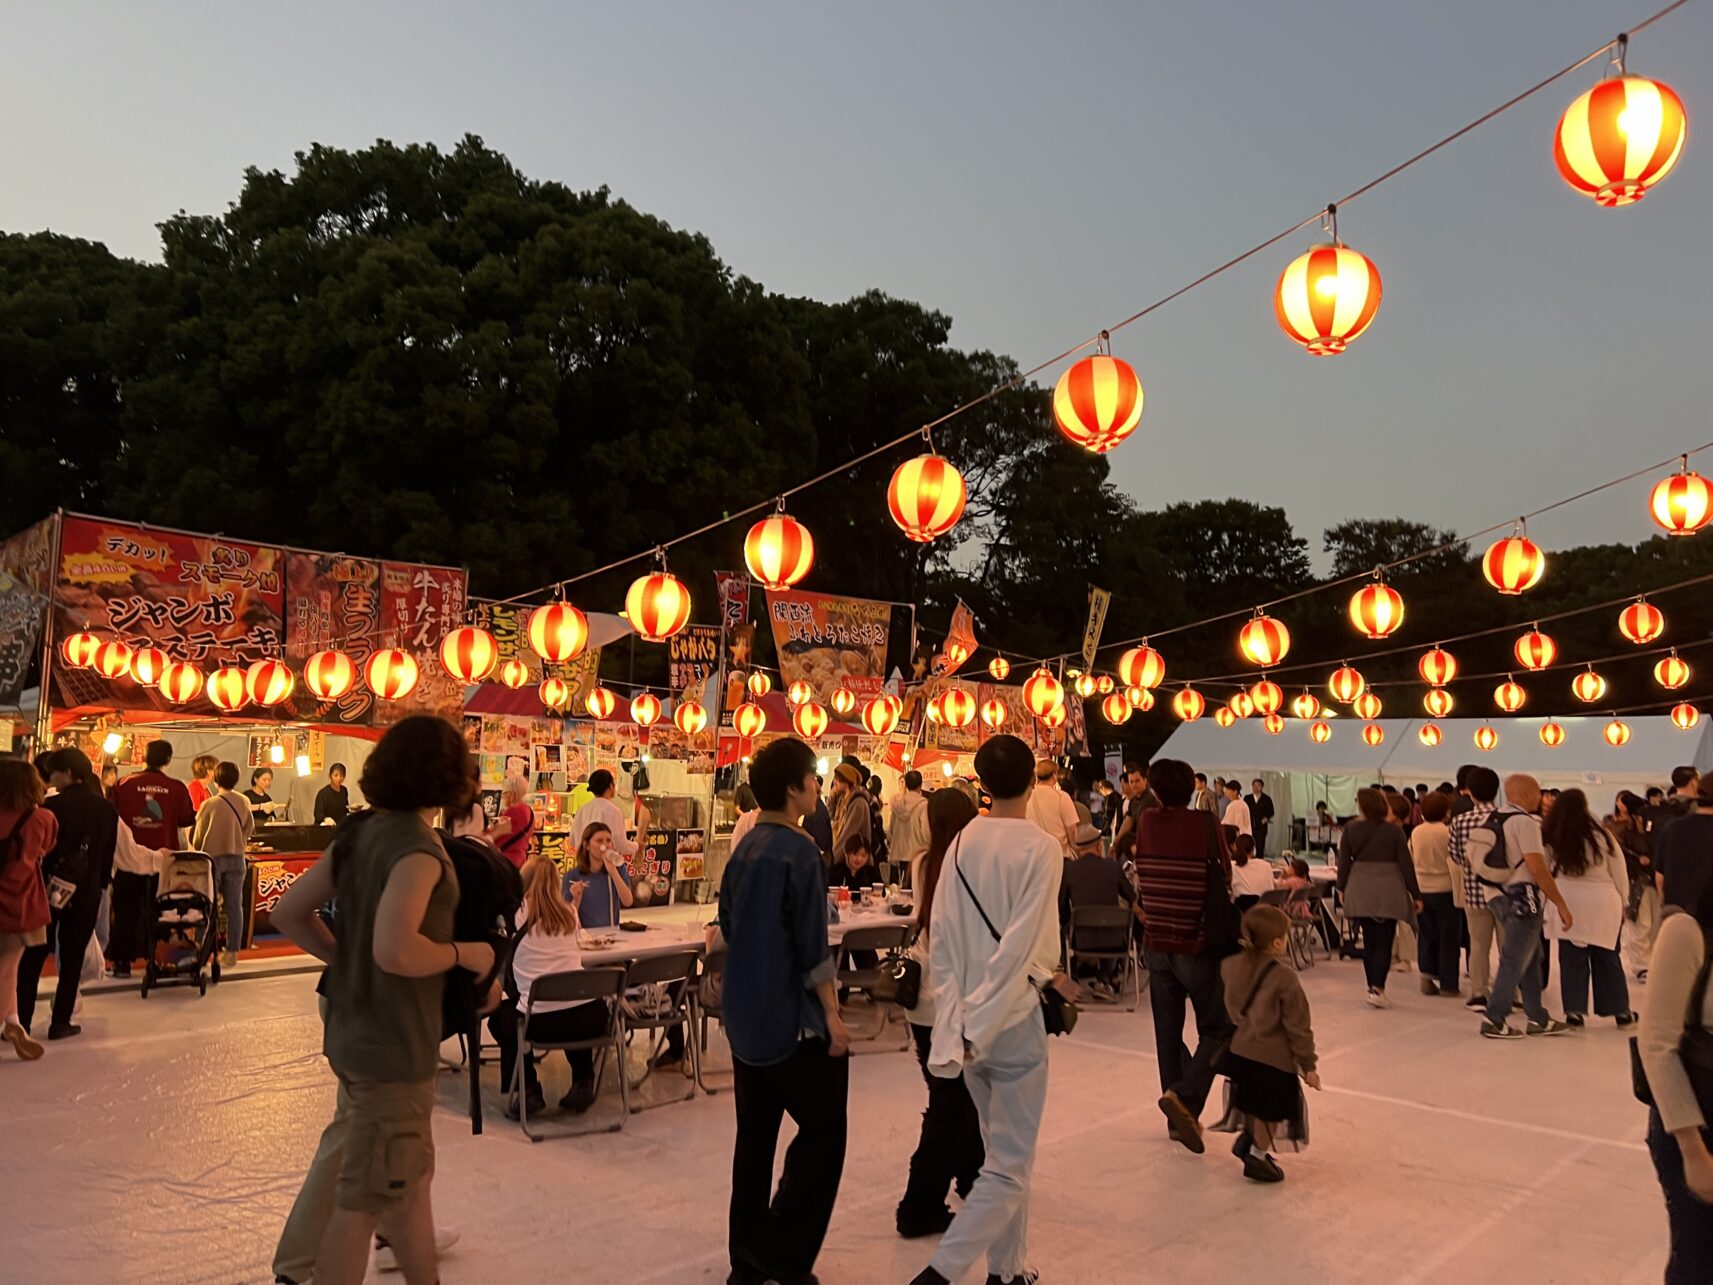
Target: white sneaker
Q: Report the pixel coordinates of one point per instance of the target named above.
(387, 1261)
(1377, 999)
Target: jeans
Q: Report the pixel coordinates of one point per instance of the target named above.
(584, 1022)
(950, 1150)
(1690, 1219)
(1171, 980)
(1377, 935)
(1611, 991)
(1439, 937)
(1519, 965)
(780, 1240)
(1008, 1084)
(231, 872)
(1482, 929)
(69, 931)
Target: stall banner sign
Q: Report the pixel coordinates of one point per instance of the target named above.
(830, 641)
(962, 633)
(692, 852)
(1098, 601)
(961, 740)
(292, 742)
(733, 591)
(692, 656)
(652, 866)
(332, 602)
(419, 606)
(204, 599)
(25, 571)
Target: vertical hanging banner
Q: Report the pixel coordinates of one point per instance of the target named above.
(332, 602)
(692, 656)
(419, 605)
(960, 642)
(829, 641)
(24, 580)
(1098, 601)
(737, 640)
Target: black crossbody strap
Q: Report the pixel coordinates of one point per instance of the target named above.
(971, 891)
(1256, 988)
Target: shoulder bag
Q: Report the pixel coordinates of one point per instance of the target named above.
(1695, 1049)
(1057, 1013)
(1221, 924)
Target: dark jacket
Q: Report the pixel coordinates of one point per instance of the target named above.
(820, 828)
(333, 803)
(87, 821)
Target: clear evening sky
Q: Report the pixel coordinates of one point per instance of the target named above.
(1035, 170)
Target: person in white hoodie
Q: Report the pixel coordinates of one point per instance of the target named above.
(1591, 874)
(995, 946)
(907, 827)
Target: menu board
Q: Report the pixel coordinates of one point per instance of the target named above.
(651, 869)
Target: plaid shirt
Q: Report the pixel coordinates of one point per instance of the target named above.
(1475, 892)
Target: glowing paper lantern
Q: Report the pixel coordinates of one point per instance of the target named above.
(1535, 650)
(779, 551)
(657, 606)
(390, 673)
(645, 709)
(1320, 733)
(226, 689)
(1266, 696)
(469, 654)
(1105, 684)
(1305, 706)
(558, 632)
(180, 682)
(1682, 504)
(1376, 610)
(1366, 705)
(1617, 733)
(955, 652)
(268, 682)
(1098, 402)
(1327, 297)
(329, 675)
(1588, 686)
(1224, 717)
(555, 693)
(690, 717)
(758, 684)
(926, 497)
(1373, 734)
(843, 700)
(112, 659)
(78, 650)
(879, 716)
(1641, 622)
(1043, 693)
(1685, 715)
(1116, 708)
(1437, 667)
(1509, 696)
(1551, 734)
(600, 703)
(1241, 705)
(1085, 685)
(1274, 724)
(1671, 673)
(931, 710)
(1429, 734)
(1345, 684)
(1485, 738)
(993, 714)
(1188, 704)
(514, 673)
(957, 707)
(1264, 641)
(147, 665)
(1437, 702)
(799, 693)
(1513, 564)
(999, 669)
(1139, 698)
(1142, 667)
(1619, 139)
(1055, 718)
(749, 720)
(809, 720)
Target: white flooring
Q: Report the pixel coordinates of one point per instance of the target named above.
(166, 1144)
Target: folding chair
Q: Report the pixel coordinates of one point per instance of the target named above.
(1091, 925)
(706, 999)
(1282, 898)
(603, 985)
(675, 977)
(889, 939)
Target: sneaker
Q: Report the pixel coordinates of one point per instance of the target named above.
(1500, 1031)
(1549, 1027)
(387, 1261)
(1258, 1166)
(1475, 1001)
(1575, 1019)
(1184, 1126)
(28, 1050)
(1377, 998)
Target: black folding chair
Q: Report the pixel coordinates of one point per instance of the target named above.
(602, 985)
(706, 1000)
(669, 1002)
(1091, 936)
(887, 939)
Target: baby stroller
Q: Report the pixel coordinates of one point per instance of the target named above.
(185, 925)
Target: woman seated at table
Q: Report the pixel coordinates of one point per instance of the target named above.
(856, 870)
(1251, 875)
(548, 945)
(598, 884)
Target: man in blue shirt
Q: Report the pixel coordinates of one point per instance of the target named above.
(781, 1016)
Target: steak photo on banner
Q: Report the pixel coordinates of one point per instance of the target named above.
(829, 641)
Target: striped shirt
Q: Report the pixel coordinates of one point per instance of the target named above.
(1461, 826)
(1171, 877)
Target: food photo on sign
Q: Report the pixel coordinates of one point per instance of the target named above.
(652, 866)
(830, 641)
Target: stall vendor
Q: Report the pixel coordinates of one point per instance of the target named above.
(261, 805)
(333, 802)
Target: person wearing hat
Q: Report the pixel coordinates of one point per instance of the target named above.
(1094, 879)
(1052, 810)
(851, 814)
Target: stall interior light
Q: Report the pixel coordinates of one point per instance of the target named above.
(303, 765)
(645, 756)
(111, 742)
(276, 754)
(821, 768)
(946, 768)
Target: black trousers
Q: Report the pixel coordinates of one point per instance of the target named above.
(69, 930)
(1377, 938)
(584, 1022)
(1172, 979)
(131, 930)
(1439, 939)
(950, 1150)
(779, 1239)
(1611, 990)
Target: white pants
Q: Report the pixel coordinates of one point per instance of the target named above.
(1639, 933)
(1009, 1086)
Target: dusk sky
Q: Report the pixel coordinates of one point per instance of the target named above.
(1037, 171)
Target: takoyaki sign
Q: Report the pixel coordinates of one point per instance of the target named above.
(830, 642)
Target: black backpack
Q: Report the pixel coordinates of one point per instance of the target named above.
(490, 890)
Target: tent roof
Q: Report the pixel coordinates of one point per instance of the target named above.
(1656, 746)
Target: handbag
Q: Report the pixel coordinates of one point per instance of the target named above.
(1221, 924)
(1057, 1013)
(1695, 1049)
(900, 981)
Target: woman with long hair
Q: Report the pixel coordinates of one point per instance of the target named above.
(1377, 878)
(1589, 868)
(1628, 824)
(598, 884)
(950, 1149)
(514, 827)
(27, 834)
(1251, 875)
